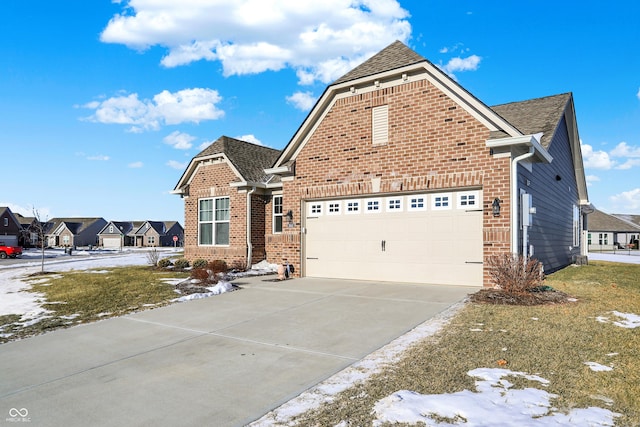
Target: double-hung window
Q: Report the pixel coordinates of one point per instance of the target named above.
(213, 221)
(277, 214)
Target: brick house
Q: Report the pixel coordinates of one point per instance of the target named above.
(400, 174)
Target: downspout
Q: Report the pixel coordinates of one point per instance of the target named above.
(514, 197)
(249, 245)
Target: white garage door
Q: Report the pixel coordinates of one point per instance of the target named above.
(111, 242)
(424, 238)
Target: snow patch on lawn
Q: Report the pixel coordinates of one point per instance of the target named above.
(596, 367)
(493, 399)
(630, 320)
(220, 288)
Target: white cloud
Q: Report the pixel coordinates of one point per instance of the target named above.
(44, 213)
(250, 138)
(624, 150)
(629, 164)
(205, 145)
(456, 64)
(100, 158)
(179, 140)
(303, 101)
(188, 105)
(638, 94)
(627, 201)
(315, 38)
(136, 165)
(176, 165)
(596, 159)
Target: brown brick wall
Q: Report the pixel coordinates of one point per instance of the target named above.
(433, 144)
(213, 181)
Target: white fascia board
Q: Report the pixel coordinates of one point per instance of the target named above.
(524, 140)
(278, 170)
(196, 163)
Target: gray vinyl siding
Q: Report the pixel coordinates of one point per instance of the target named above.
(89, 235)
(551, 233)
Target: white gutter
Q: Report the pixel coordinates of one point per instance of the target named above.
(249, 245)
(515, 195)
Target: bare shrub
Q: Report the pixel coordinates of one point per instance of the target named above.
(203, 276)
(239, 265)
(153, 256)
(217, 266)
(514, 273)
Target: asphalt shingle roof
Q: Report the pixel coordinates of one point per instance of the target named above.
(600, 221)
(396, 55)
(250, 159)
(535, 115)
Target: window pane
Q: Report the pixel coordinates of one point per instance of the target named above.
(206, 208)
(222, 233)
(222, 209)
(206, 234)
(277, 224)
(277, 205)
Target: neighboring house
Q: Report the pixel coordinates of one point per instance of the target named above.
(398, 174)
(158, 233)
(72, 232)
(10, 228)
(607, 232)
(30, 236)
(630, 218)
(118, 234)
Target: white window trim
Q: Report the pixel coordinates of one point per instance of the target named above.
(434, 200)
(213, 222)
(276, 215)
(334, 204)
(353, 212)
(476, 200)
(373, 211)
(417, 208)
(576, 226)
(388, 207)
(316, 205)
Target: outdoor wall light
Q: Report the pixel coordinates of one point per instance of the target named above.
(496, 207)
(290, 219)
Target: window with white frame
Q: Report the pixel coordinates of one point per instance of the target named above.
(372, 206)
(111, 229)
(468, 199)
(603, 238)
(394, 204)
(65, 240)
(441, 201)
(213, 221)
(352, 206)
(333, 208)
(151, 240)
(589, 238)
(315, 208)
(277, 214)
(6, 222)
(417, 203)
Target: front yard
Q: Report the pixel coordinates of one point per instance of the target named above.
(570, 364)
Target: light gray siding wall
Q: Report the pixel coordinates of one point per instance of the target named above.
(89, 236)
(552, 231)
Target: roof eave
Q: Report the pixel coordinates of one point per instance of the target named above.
(522, 141)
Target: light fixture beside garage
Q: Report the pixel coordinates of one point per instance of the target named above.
(496, 207)
(290, 222)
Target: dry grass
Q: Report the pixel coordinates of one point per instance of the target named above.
(552, 341)
(86, 296)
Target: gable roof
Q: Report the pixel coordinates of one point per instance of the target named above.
(600, 221)
(248, 159)
(635, 219)
(4, 210)
(75, 225)
(396, 55)
(536, 115)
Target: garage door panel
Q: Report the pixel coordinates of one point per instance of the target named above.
(427, 246)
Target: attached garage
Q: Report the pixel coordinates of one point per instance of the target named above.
(112, 242)
(418, 238)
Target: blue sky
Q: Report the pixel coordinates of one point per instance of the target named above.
(103, 104)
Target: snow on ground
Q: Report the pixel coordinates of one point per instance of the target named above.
(15, 297)
(626, 257)
(630, 320)
(494, 402)
(596, 367)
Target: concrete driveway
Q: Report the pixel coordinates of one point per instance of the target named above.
(224, 360)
